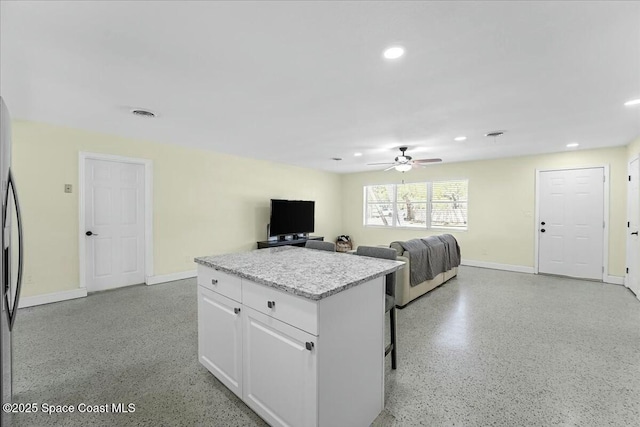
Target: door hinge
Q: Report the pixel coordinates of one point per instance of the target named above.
(627, 270)
(603, 268)
(629, 178)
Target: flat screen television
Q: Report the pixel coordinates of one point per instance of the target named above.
(291, 217)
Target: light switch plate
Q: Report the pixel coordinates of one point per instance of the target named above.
(67, 188)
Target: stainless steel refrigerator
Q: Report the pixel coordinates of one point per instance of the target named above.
(12, 258)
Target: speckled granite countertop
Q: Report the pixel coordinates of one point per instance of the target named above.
(309, 273)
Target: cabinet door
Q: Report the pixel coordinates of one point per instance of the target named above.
(220, 338)
(280, 375)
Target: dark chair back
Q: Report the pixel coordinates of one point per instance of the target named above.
(384, 253)
(320, 245)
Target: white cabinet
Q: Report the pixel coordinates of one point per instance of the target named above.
(296, 362)
(279, 367)
(220, 337)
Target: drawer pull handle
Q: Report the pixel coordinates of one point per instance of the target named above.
(214, 281)
(236, 310)
(271, 304)
(309, 345)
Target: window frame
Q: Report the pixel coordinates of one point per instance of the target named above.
(429, 206)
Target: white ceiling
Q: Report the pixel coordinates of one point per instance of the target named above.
(301, 82)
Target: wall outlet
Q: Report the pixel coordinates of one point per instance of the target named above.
(68, 188)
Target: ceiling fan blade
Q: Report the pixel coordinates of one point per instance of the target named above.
(389, 168)
(427, 160)
(376, 164)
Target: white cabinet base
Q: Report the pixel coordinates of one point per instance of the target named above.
(220, 338)
(351, 358)
(280, 376)
(297, 367)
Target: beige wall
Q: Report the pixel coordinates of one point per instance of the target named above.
(204, 202)
(209, 203)
(633, 149)
(501, 204)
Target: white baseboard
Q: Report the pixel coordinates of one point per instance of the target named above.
(614, 280)
(163, 278)
(82, 292)
(52, 297)
(497, 266)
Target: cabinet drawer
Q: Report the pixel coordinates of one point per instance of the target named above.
(294, 310)
(222, 283)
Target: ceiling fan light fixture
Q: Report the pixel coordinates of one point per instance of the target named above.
(403, 168)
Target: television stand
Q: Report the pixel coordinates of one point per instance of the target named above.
(295, 242)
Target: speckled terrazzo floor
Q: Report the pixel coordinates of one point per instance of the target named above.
(488, 348)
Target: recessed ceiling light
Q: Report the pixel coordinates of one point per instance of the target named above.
(142, 113)
(459, 138)
(357, 154)
(573, 145)
(632, 102)
(393, 52)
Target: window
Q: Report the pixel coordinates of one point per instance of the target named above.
(449, 204)
(441, 204)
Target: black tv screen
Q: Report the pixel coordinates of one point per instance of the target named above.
(291, 217)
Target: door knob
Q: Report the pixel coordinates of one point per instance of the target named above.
(635, 232)
(236, 310)
(309, 345)
(91, 233)
(543, 230)
(542, 223)
(271, 304)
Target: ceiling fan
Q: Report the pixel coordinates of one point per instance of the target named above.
(404, 163)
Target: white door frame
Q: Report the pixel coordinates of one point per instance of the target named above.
(627, 245)
(148, 209)
(605, 231)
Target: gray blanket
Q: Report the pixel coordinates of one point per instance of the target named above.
(430, 256)
(453, 250)
(436, 256)
(417, 257)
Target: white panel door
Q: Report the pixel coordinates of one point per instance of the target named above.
(571, 228)
(114, 224)
(279, 375)
(220, 338)
(633, 242)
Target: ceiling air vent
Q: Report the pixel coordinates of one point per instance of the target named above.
(495, 133)
(143, 113)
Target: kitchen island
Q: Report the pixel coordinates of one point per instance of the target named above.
(297, 334)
